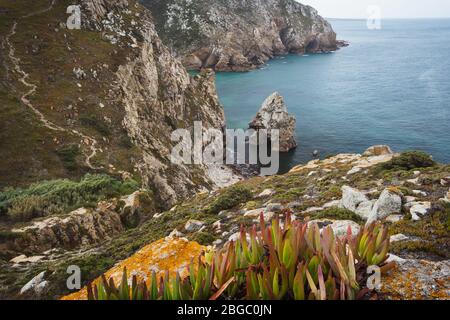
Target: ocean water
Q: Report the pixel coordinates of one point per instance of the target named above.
(390, 86)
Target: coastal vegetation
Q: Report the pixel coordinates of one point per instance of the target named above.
(61, 195)
(286, 260)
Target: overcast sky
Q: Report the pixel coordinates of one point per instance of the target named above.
(389, 8)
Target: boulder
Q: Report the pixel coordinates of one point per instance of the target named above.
(389, 202)
(352, 198)
(446, 197)
(274, 207)
(266, 193)
(365, 208)
(354, 170)
(36, 285)
(273, 115)
(334, 203)
(419, 193)
(175, 234)
(340, 227)
(419, 209)
(312, 209)
(254, 213)
(193, 225)
(445, 181)
(294, 204)
(393, 218)
(379, 150)
(22, 259)
(398, 237)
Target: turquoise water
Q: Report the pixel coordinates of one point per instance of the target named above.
(390, 86)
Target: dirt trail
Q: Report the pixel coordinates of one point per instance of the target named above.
(23, 78)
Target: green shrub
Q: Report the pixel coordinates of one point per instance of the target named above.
(339, 214)
(68, 155)
(407, 161)
(8, 235)
(232, 197)
(60, 196)
(203, 238)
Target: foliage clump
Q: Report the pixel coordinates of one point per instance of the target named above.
(289, 260)
(68, 156)
(231, 198)
(408, 161)
(339, 214)
(433, 230)
(60, 196)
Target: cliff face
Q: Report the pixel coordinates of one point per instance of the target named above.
(101, 99)
(235, 35)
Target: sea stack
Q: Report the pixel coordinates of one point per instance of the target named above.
(274, 115)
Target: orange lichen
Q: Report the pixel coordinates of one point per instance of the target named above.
(394, 189)
(173, 255)
(407, 285)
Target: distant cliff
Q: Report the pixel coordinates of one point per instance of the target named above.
(236, 35)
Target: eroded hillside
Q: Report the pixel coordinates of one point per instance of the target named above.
(102, 99)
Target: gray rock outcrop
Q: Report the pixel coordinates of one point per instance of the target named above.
(81, 227)
(35, 286)
(413, 279)
(352, 198)
(273, 115)
(389, 202)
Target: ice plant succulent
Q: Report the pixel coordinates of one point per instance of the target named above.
(290, 260)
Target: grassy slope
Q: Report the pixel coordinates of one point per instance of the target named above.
(57, 96)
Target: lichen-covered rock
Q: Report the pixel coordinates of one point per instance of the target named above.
(166, 255)
(417, 280)
(379, 150)
(35, 286)
(237, 35)
(389, 202)
(352, 198)
(274, 115)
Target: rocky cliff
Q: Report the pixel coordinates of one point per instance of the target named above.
(236, 35)
(104, 98)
